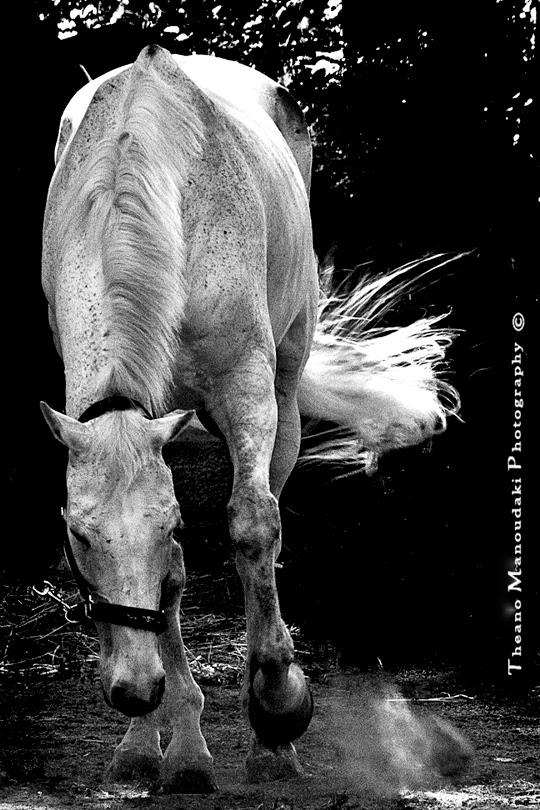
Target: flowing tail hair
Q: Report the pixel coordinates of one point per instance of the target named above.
(380, 386)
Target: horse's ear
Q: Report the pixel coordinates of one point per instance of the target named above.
(64, 428)
(169, 427)
(66, 128)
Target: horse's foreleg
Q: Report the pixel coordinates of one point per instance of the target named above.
(276, 695)
(187, 765)
(138, 757)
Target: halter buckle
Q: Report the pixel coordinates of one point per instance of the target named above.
(74, 614)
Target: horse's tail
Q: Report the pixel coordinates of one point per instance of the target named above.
(379, 385)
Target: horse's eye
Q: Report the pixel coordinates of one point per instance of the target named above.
(79, 537)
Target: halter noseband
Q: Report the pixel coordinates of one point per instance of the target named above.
(89, 608)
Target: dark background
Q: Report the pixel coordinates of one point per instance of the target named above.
(415, 152)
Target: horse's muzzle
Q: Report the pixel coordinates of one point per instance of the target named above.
(126, 699)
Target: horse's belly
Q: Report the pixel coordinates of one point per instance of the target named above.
(189, 381)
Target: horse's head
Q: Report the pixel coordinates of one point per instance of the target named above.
(121, 514)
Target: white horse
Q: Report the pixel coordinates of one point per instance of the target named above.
(180, 274)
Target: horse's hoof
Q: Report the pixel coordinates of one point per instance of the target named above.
(269, 765)
(272, 726)
(134, 767)
(194, 778)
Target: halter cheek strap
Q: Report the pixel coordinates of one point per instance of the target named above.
(109, 612)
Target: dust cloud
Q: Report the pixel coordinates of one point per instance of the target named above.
(386, 743)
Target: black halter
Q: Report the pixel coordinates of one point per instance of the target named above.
(109, 612)
(89, 608)
(113, 403)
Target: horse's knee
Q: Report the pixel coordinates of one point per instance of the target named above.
(254, 524)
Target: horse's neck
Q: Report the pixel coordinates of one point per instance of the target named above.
(81, 327)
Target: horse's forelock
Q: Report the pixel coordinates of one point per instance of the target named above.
(120, 444)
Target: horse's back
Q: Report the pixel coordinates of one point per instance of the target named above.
(203, 166)
(228, 83)
(248, 89)
(253, 145)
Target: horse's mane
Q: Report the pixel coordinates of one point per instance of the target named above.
(126, 201)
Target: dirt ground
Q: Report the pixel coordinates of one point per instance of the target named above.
(362, 750)
(375, 742)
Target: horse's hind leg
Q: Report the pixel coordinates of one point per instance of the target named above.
(276, 695)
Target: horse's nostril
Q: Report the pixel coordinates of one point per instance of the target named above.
(126, 699)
